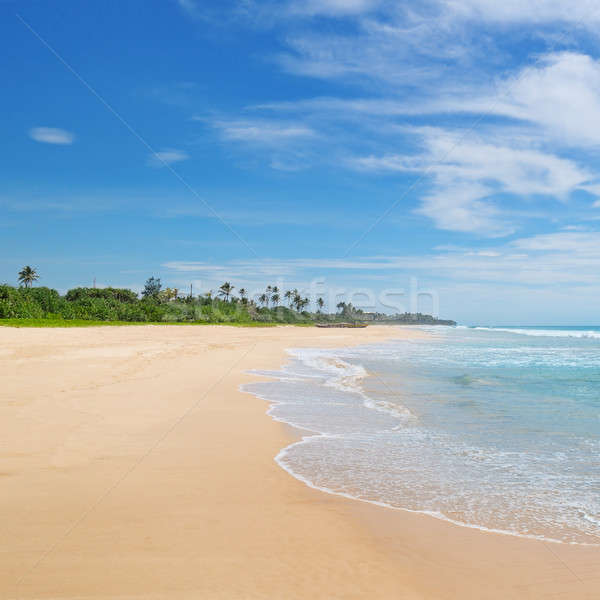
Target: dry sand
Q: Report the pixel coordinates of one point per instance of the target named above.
(131, 467)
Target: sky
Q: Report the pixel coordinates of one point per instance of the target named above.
(438, 155)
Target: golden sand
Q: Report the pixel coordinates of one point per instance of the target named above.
(132, 467)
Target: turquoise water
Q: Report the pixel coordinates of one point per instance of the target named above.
(491, 428)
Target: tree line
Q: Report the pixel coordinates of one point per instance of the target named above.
(155, 304)
(158, 304)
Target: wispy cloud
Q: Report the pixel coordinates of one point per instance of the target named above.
(581, 12)
(190, 8)
(535, 261)
(432, 62)
(565, 84)
(262, 131)
(582, 243)
(468, 170)
(166, 157)
(51, 135)
(286, 143)
(332, 8)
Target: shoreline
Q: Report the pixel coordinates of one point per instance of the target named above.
(206, 511)
(299, 434)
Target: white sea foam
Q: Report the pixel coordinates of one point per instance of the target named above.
(375, 450)
(280, 460)
(561, 333)
(341, 375)
(347, 377)
(595, 519)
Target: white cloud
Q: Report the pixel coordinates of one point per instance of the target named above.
(536, 261)
(467, 170)
(561, 94)
(540, 260)
(579, 12)
(332, 8)
(563, 84)
(190, 8)
(262, 131)
(332, 106)
(51, 135)
(581, 243)
(464, 207)
(167, 157)
(403, 45)
(425, 58)
(288, 145)
(391, 56)
(556, 104)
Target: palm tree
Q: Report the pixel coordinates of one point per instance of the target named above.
(288, 296)
(243, 293)
(225, 290)
(320, 303)
(275, 299)
(297, 301)
(27, 275)
(263, 299)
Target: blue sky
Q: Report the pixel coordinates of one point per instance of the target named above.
(360, 144)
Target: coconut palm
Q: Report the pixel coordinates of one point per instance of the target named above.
(27, 275)
(268, 293)
(320, 303)
(275, 299)
(297, 300)
(264, 299)
(225, 290)
(288, 296)
(243, 293)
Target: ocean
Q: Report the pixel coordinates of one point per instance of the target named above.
(492, 428)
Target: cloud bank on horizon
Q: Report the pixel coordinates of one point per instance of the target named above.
(452, 140)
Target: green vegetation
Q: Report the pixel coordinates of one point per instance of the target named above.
(28, 306)
(42, 306)
(122, 305)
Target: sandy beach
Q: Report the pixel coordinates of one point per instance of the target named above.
(132, 467)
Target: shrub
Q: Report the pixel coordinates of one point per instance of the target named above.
(109, 293)
(16, 303)
(48, 299)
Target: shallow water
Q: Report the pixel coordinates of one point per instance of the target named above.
(491, 428)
